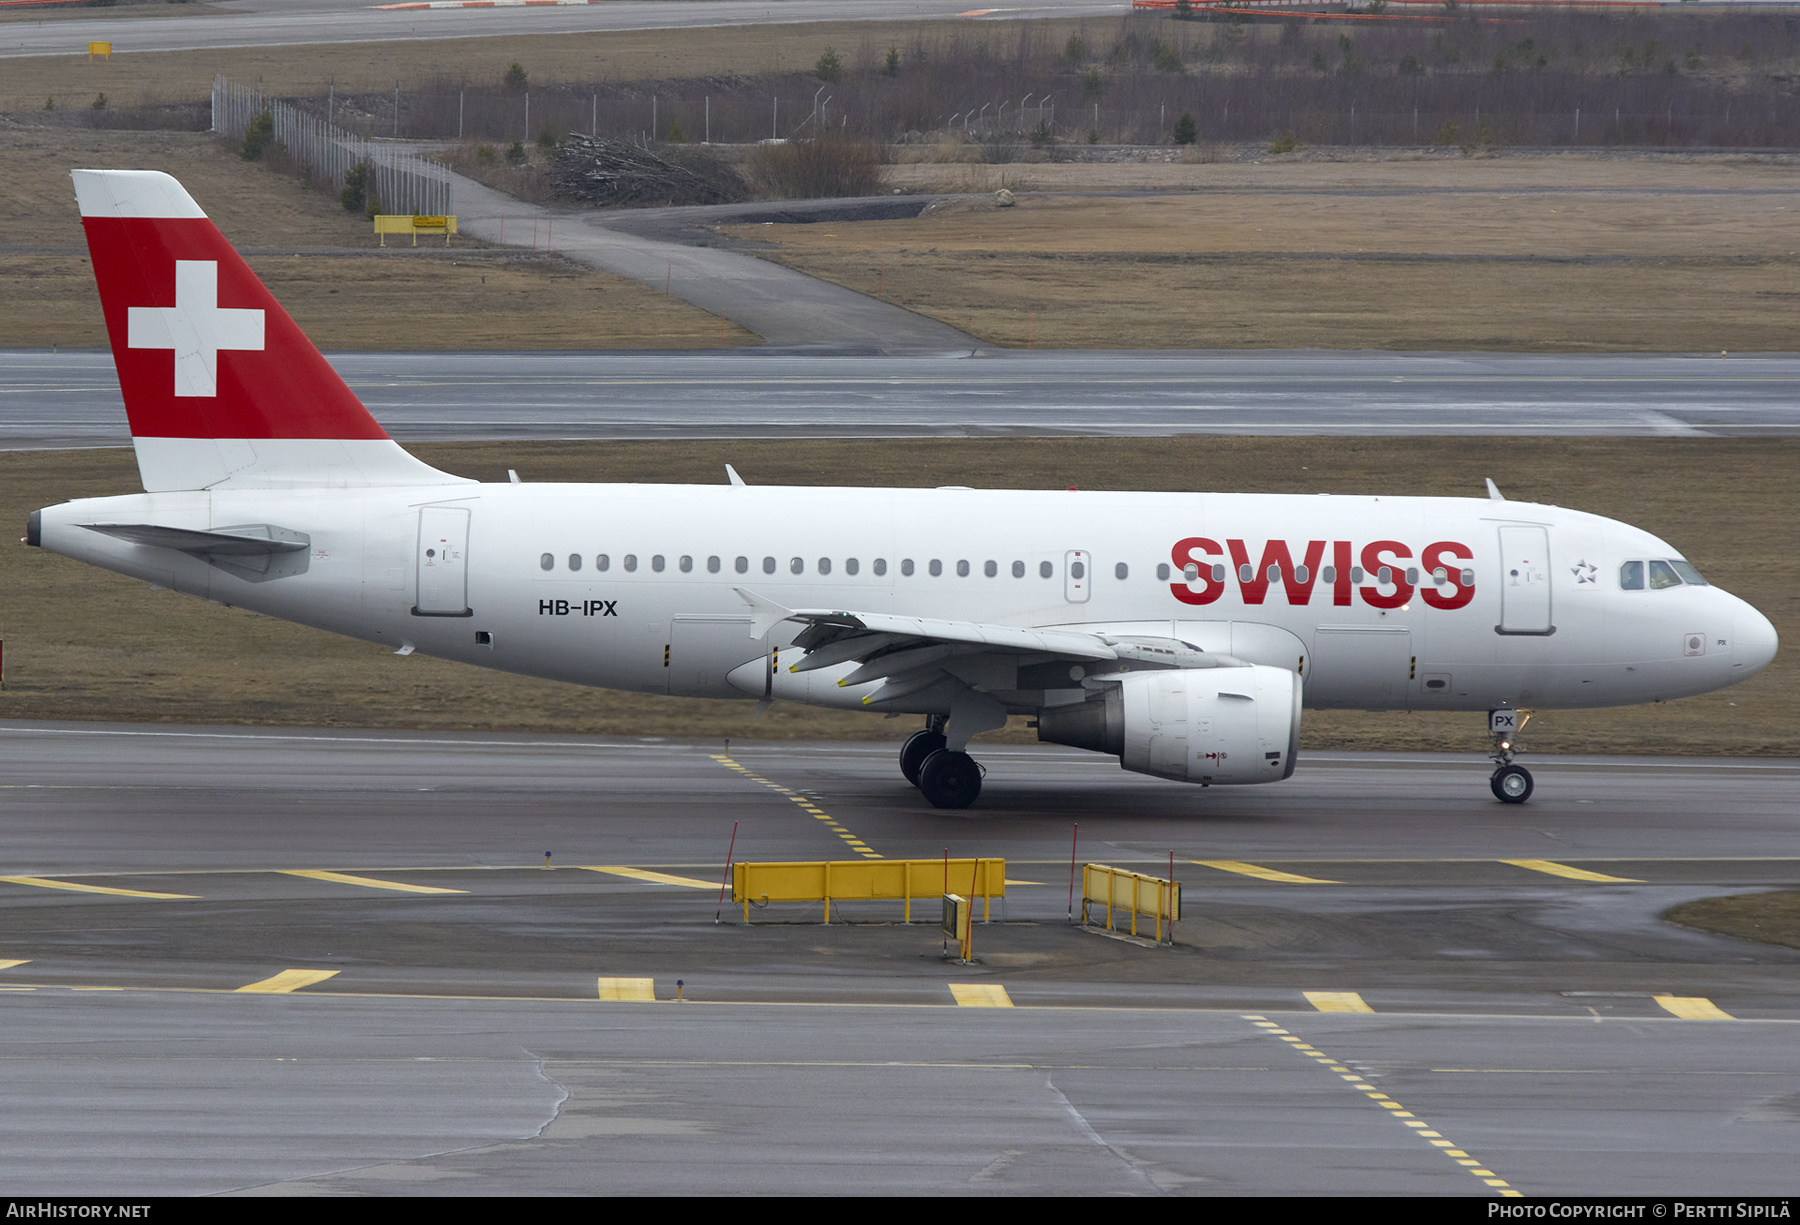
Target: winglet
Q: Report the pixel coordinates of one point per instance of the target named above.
(732, 473)
(765, 615)
(1494, 493)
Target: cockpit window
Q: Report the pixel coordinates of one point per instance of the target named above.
(1662, 575)
(1631, 576)
(1688, 574)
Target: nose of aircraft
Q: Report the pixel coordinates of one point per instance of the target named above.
(1754, 640)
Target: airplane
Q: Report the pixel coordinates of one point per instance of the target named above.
(1182, 633)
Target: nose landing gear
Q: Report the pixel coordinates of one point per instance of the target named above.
(1510, 783)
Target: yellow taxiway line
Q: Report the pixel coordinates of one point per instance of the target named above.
(1260, 873)
(287, 981)
(655, 878)
(41, 883)
(1553, 868)
(980, 995)
(367, 882)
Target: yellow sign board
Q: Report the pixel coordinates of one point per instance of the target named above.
(408, 223)
(103, 50)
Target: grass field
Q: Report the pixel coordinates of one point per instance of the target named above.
(322, 263)
(1553, 254)
(135, 77)
(1768, 918)
(85, 644)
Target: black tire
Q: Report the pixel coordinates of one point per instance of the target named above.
(920, 745)
(1511, 784)
(949, 779)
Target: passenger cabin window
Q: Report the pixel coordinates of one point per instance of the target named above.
(742, 565)
(686, 563)
(906, 566)
(990, 568)
(712, 565)
(851, 565)
(962, 569)
(1045, 569)
(547, 562)
(824, 565)
(1121, 571)
(796, 565)
(631, 561)
(768, 565)
(880, 565)
(937, 567)
(1162, 572)
(1018, 569)
(574, 561)
(656, 563)
(602, 562)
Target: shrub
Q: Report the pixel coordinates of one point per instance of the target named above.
(547, 139)
(891, 65)
(1285, 143)
(809, 169)
(1185, 131)
(485, 155)
(355, 197)
(515, 153)
(829, 67)
(257, 135)
(99, 103)
(516, 81)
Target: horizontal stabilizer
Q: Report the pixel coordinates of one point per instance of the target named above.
(253, 540)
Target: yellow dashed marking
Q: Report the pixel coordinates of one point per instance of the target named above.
(367, 882)
(1336, 1001)
(1693, 1008)
(1260, 873)
(287, 981)
(1395, 1110)
(630, 990)
(1564, 870)
(654, 878)
(42, 883)
(15, 961)
(858, 845)
(981, 995)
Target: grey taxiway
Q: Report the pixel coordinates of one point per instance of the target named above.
(71, 398)
(424, 1009)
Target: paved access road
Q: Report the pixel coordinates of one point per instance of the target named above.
(426, 1008)
(274, 23)
(71, 398)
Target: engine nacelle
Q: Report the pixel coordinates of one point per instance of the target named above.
(1223, 726)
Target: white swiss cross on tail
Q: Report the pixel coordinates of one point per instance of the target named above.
(196, 327)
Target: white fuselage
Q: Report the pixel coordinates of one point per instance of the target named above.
(1530, 611)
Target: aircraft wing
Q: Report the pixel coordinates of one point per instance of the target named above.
(909, 652)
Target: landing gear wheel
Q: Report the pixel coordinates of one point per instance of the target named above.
(1511, 784)
(920, 745)
(950, 779)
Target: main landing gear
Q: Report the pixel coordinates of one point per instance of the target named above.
(946, 777)
(1510, 783)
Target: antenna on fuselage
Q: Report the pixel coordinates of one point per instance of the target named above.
(1494, 493)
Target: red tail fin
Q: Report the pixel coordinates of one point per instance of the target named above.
(220, 385)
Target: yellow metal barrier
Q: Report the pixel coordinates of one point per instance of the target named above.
(406, 223)
(843, 880)
(103, 50)
(1117, 889)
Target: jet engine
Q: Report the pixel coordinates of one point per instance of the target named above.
(1227, 725)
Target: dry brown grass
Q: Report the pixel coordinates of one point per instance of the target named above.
(616, 55)
(343, 289)
(1618, 256)
(1768, 918)
(85, 644)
